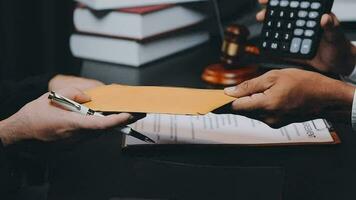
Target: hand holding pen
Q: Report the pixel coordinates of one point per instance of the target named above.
(81, 109)
(42, 121)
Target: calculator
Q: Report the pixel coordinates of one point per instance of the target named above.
(292, 27)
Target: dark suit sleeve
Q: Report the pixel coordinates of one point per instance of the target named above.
(4, 172)
(7, 185)
(14, 95)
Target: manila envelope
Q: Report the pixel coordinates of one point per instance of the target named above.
(163, 100)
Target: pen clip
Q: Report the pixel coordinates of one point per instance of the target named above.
(56, 97)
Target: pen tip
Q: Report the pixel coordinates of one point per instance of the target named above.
(150, 141)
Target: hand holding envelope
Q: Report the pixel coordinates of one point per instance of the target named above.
(164, 100)
(179, 102)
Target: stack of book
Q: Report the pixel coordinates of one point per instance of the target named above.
(114, 31)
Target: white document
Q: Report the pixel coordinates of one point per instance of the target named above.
(226, 129)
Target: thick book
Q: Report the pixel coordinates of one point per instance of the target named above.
(131, 52)
(113, 4)
(164, 72)
(136, 23)
(227, 129)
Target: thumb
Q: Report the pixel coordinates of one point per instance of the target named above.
(75, 95)
(255, 102)
(253, 86)
(330, 24)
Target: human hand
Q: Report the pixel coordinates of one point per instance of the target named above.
(63, 81)
(336, 54)
(281, 97)
(41, 120)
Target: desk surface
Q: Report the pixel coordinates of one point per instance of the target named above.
(98, 169)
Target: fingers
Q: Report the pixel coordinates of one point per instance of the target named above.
(330, 24)
(252, 103)
(253, 86)
(261, 15)
(329, 21)
(251, 94)
(102, 123)
(263, 2)
(81, 98)
(75, 95)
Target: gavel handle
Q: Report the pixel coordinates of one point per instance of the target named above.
(250, 49)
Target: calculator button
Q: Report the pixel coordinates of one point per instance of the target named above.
(289, 25)
(292, 15)
(294, 4)
(279, 24)
(272, 13)
(295, 46)
(264, 44)
(298, 32)
(305, 4)
(285, 47)
(311, 24)
(302, 14)
(287, 36)
(306, 46)
(315, 5)
(274, 3)
(276, 35)
(284, 3)
(313, 15)
(274, 45)
(267, 34)
(300, 23)
(282, 13)
(309, 33)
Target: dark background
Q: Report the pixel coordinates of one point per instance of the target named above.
(34, 36)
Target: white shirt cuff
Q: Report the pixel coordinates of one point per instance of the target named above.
(353, 113)
(352, 76)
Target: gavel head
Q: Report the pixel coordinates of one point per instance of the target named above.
(234, 45)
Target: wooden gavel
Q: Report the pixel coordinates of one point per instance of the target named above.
(233, 69)
(235, 45)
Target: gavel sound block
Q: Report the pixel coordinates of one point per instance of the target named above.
(234, 67)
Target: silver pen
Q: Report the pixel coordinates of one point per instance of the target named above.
(78, 108)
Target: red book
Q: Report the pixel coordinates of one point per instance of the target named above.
(145, 9)
(114, 4)
(136, 23)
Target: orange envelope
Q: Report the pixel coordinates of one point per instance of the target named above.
(164, 100)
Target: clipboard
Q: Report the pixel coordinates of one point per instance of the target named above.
(131, 144)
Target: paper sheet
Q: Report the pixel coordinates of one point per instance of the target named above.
(227, 129)
(166, 100)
